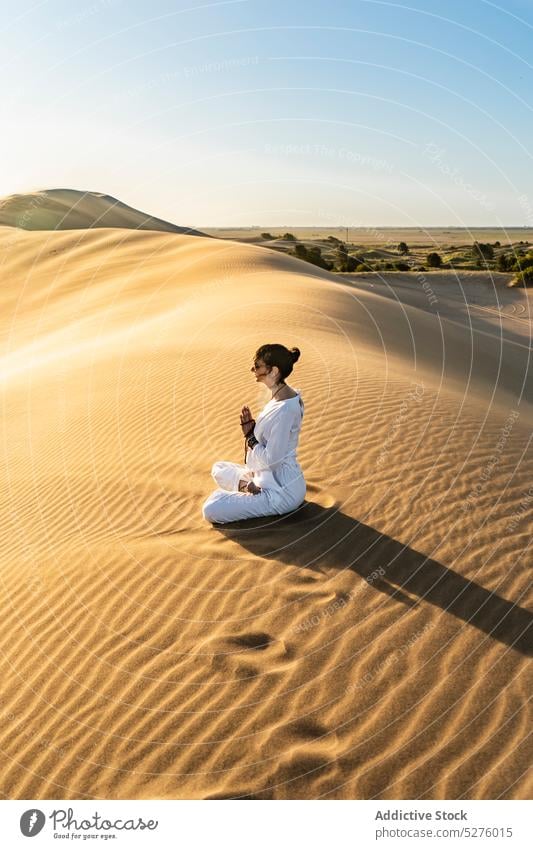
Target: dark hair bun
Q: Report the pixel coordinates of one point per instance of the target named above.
(295, 353)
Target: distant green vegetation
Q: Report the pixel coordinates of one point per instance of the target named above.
(482, 255)
(523, 270)
(312, 255)
(433, 260)
(482, 252)
(343, 260)
(331, 253)
(523, 278)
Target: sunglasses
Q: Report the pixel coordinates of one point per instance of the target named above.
(256, 366)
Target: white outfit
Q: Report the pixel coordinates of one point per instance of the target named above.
(272, 465)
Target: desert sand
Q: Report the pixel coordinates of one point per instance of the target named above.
(375, 643)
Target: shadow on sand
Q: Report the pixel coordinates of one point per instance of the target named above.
(317, 538)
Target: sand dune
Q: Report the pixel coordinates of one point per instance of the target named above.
(69, 209)
(374, 644)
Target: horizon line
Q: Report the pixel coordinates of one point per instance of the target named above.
(370, 226)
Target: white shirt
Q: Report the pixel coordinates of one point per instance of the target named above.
(277, 429)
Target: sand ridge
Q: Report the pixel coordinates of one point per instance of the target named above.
(71, 209)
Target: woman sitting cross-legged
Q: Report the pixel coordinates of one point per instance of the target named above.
(270, 481)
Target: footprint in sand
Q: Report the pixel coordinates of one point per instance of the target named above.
(253, 653)
(308, 751)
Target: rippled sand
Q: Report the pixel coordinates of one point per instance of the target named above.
(376, 643)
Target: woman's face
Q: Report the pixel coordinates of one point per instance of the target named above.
(260, 370)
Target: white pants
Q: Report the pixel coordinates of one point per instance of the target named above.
(227, 504)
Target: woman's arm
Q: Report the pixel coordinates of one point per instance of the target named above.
(273, 453)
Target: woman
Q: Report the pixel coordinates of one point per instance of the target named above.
(270, 481)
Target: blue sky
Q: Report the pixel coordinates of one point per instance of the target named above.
(357, 113)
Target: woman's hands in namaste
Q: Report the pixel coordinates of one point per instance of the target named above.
(247, 426)
(247, 422)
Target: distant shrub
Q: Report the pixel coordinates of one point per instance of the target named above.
(352, 264)
(267, 236)
(312, 255)
(402, 266)
(504, 262)
(402, 248)
(521, 263)
(434, 260)
(347, 265)
(482, 252)
(343, 261)
(334, 239)
(288, 237)
(523, 278)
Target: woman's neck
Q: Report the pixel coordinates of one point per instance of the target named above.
(285, 392)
